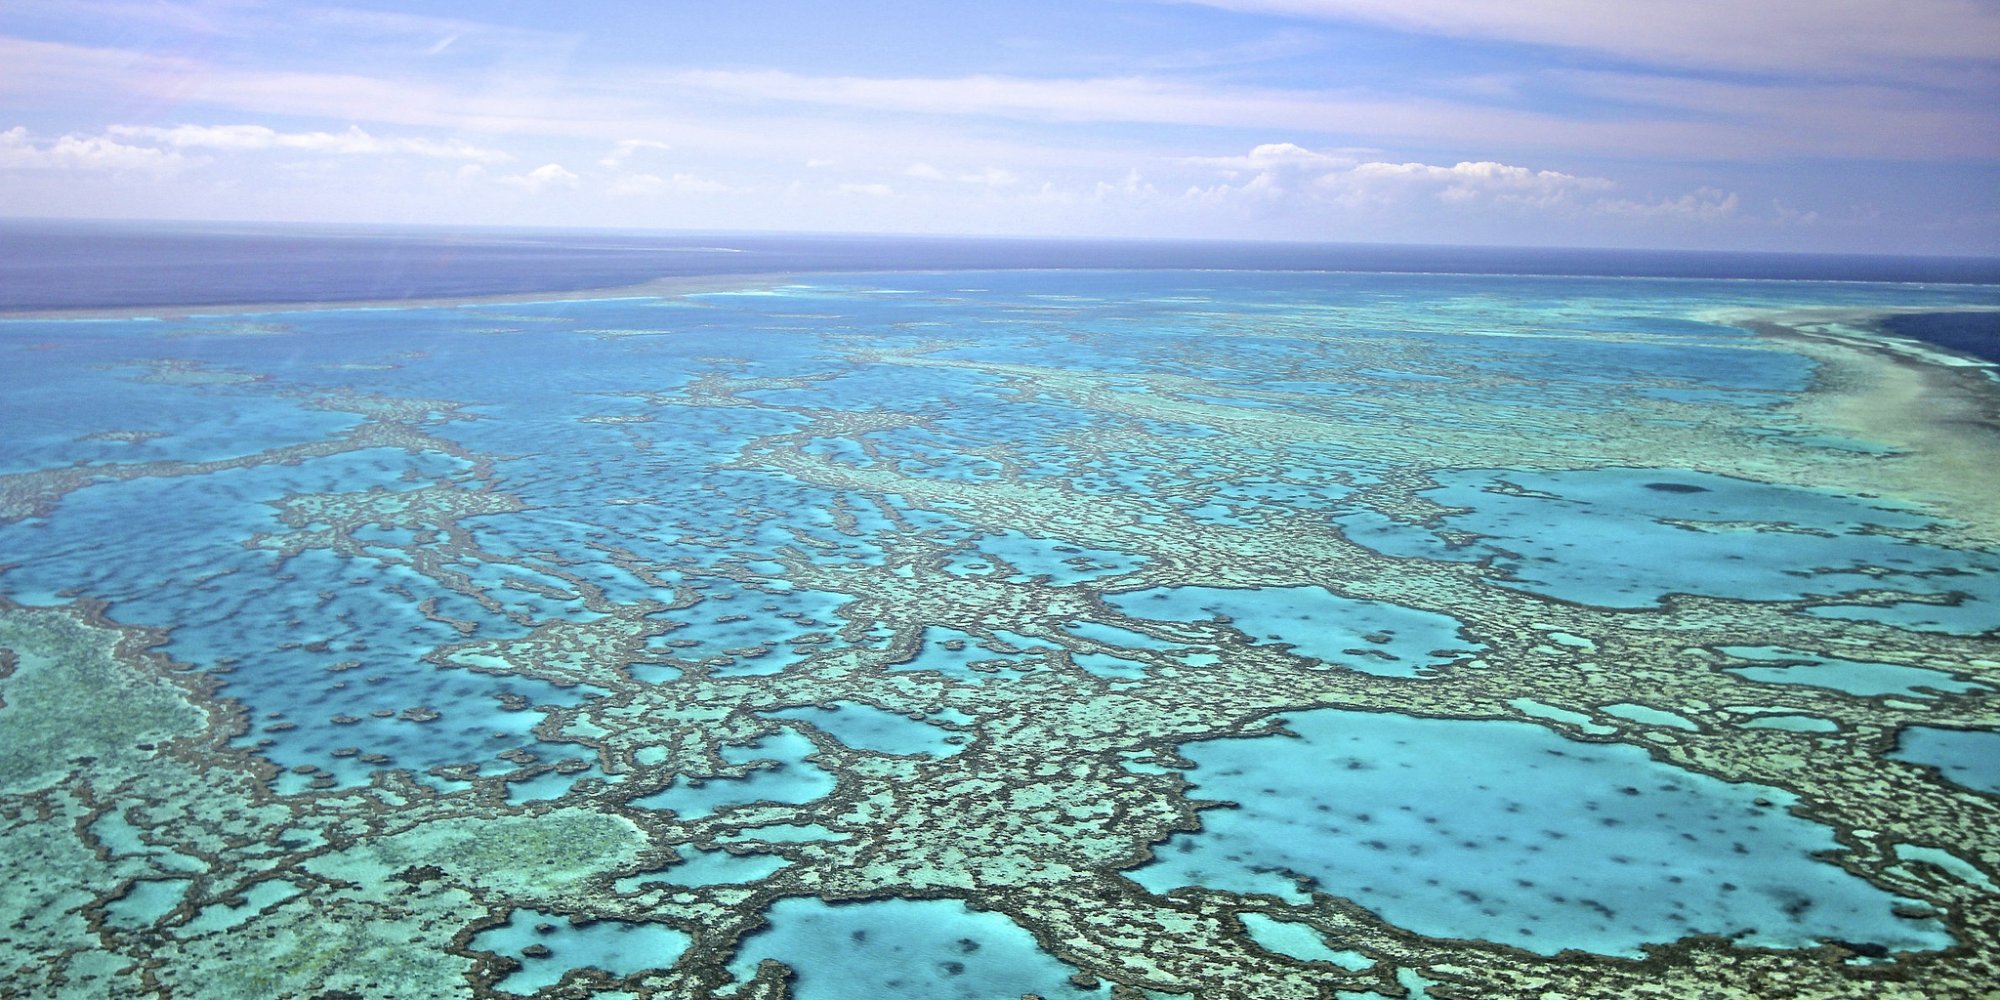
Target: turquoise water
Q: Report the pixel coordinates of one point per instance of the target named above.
(1854, 677)
(1507, 832)
(1628, 537)
(1299, 941)
(613, 947)
(904, 948)
(1369, 636)
(704, 868)
(946, 607)
(1969, 757)
(773, 769)
(865, 727)
(953, 652)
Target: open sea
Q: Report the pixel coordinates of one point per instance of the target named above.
(411, 613)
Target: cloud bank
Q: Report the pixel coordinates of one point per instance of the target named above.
(18, 151)
(351, 142)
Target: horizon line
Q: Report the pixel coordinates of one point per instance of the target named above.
(491, 227)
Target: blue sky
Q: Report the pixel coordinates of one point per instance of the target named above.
(1870, 125)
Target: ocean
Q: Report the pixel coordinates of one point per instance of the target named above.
(83, 265)
(469, 614)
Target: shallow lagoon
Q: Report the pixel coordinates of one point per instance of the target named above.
(896, 947)
(352, 646)
(1505, 831)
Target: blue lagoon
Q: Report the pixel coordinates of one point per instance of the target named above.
(988, 631)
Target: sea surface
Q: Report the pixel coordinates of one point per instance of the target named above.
(48, 264)
(856, 617)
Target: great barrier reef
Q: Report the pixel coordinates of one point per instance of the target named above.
(1000, 633)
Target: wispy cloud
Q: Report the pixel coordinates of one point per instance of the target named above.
(1279, 174)
(1275, 156)
(389, 31)
(1852, 119)
(1706, 204)
(990, 176)
(51, 74)
(624, 150)
(1847, 38)
(351, 142)
(678, 183)
(1276, 45)
(193, 18)
(1485, 180)
(546, 176)
(1712, 119)
(996, 177)
(19, 151)
(1132, 99)
(766, 112)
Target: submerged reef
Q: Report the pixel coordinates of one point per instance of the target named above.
(1065, 634)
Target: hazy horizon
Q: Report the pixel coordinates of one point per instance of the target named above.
(447, 229)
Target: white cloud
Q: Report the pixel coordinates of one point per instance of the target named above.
(637, 184)
(654, 184)
(71, 152)
(625, 148)
(1269, 172)
(1465, 182)
(1274, 155)
(1132, 187)
(1788, 215)
(995, 177)
(633, 182)
(991, 177)
(869, 190)
(352, 142)
(1285, 174)
(694, 184)
(1704, 205)
(545, 176)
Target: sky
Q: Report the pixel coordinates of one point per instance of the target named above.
(1805, 125)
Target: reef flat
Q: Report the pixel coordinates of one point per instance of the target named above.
(988, 634)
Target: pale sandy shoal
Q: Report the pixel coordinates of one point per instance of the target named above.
(662, 288)
(1939, 410)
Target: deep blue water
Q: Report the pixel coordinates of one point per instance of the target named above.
(1974, 333)
(50, 264)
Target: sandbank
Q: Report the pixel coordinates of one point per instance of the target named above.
(1939, 410)
(656, 288)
